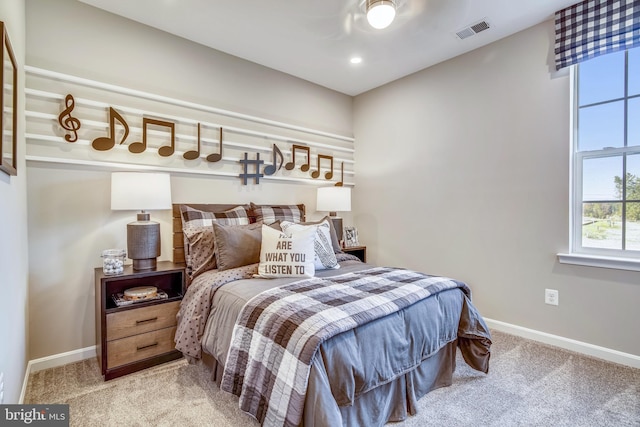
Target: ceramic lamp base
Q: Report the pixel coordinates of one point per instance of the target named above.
(145, 264)
(143, 242)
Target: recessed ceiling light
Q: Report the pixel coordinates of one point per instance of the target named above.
(355, 60)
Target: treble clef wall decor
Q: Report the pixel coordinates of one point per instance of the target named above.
(67, 121)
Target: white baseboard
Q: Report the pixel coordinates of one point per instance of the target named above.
(567, 343)
(55, 361)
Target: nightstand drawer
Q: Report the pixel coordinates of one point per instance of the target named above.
(140, 320)
(139, 347)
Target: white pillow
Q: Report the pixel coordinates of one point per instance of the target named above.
(325, 257)
(283, 255)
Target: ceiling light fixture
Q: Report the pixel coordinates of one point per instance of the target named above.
(380, 13)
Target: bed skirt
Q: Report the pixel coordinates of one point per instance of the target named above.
(393, 401)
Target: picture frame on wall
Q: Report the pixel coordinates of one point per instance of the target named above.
(9, 101)
(351, 237)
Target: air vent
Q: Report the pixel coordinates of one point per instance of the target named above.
(467, 32)
(473, 29)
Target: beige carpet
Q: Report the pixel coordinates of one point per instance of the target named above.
(529, 384)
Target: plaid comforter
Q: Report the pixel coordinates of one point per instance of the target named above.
(279, 331)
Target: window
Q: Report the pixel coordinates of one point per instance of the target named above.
(606, 156)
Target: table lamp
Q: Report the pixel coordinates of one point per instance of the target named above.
(334, 199)
(141, 191)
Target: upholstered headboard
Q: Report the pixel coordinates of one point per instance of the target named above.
(178, 239)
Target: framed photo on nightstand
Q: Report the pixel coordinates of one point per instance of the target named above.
(350, 237)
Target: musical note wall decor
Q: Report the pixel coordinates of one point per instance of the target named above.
(245, 165)
(328, 175)
(216, 157)
(341, 182)
(165, 150)
(170, 133)
(67, 121)
(105, 143)
(193, 154)
(108, 142)
(271, 169)
(292, 164)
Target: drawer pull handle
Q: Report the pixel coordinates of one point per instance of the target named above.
(153, 319)
(144, 347)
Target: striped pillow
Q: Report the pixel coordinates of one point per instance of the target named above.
(271, 214)
(325, 257)
(199, 237)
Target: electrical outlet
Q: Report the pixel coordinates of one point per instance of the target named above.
(551, 297)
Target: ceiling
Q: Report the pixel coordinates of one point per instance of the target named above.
(315, 39)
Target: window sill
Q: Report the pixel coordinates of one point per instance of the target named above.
(600, 261)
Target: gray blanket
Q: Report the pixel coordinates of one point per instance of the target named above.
(279, 331)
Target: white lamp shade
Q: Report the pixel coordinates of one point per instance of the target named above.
(334, 199)
(140, 191)
(380, 13)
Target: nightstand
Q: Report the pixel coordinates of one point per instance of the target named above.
(139, 335)
(359, 251)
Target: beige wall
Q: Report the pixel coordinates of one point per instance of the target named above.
(13, 234)
(463, 171)
(70, 221)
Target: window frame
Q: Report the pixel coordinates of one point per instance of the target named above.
(626, 259)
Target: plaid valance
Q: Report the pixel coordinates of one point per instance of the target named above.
(595, 27)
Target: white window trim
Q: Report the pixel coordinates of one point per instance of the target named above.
(584, 258)
(599, 261)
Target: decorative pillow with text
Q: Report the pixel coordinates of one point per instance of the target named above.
(283, 255)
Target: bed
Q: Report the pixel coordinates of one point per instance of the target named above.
(347, 363)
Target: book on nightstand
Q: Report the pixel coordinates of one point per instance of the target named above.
(120, 300)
